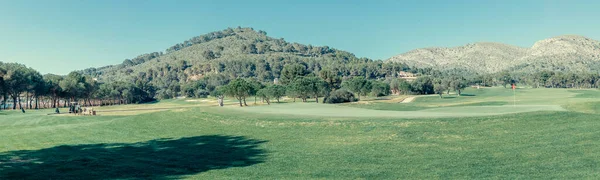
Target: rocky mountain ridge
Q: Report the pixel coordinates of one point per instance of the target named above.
(567, 52)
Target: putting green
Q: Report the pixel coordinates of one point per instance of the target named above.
(328, 110)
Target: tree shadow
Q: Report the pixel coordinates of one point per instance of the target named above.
(155, 159)
(280, 102)
(152, 102)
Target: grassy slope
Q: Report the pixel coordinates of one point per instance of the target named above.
(225, 144)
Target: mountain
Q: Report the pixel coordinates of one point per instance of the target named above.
(238, 52)
(565, 53)
(219, 51)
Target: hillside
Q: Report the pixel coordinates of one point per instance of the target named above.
(226, 45)
(238, 52)
(244, 51)
(569, 52)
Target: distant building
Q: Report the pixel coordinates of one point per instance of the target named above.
(407, 75)
(276, 81)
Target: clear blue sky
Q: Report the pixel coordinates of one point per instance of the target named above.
(61, 36)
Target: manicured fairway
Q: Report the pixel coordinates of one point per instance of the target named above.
(326, 110)
(481, 98)
(475, 102)
(195, 140)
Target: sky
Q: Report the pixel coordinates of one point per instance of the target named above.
(65, 35)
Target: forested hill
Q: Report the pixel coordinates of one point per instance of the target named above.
(562, 53)
(238, 52)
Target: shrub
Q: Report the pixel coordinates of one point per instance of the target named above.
(201, 93)
(380, 89)
(341, 96)
(165, 94)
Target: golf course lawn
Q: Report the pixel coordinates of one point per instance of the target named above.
(550, 133)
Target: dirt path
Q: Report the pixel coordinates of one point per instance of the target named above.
(408, 99)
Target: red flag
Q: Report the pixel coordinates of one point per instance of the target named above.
(513, 86)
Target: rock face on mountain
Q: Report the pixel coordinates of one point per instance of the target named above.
(567, 52)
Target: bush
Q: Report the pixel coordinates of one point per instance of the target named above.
(380, 89)
(201, 93)
(341, 96)
(164, 94)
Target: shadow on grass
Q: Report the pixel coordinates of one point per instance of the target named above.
(152, 102)
(467, 94)
(155, 159)
(448, 97)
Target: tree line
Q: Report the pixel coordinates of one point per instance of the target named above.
(541, 79)
(300, 83)
(28, 89)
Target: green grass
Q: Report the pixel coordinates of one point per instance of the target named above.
(490, 97)
(327, 110)
(586, 93)
(585, 107)
(388, 106)
(205, 142)
(417, 106)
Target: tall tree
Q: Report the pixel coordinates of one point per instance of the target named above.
(238, 88)
(34, 79)
(505, 78)
(359, 85)
(16, 81)
(3, 87)
(304, 87)
(265, 95)
(317, 87)
(291, 72)
(458, 84)
(39, 89)
(277, 91)
(142, 91)
(74, 85)
(439, 86)
(53, 87)
(331, 78)
(332, 81)
(395, 85)
(255, 87)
